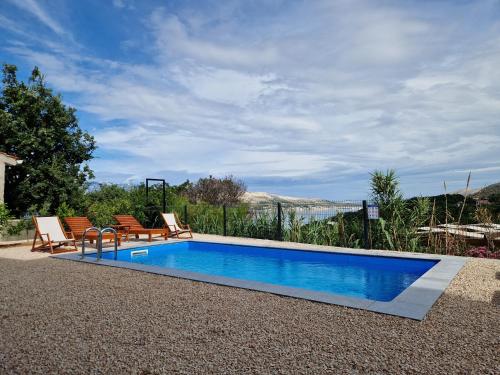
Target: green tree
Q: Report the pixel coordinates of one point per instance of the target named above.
(37, 127)
(216, 191)
(385, 189)
(399, 218)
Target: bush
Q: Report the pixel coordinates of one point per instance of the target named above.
(482, 252)
(4, 218)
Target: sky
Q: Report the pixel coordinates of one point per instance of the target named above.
(302, 98)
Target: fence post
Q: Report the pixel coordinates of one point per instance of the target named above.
(224, 218)
(164, 196)
(279, 233)
(365, 225)
(185, 214)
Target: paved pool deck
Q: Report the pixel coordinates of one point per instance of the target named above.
(70, 317)
(414, 302)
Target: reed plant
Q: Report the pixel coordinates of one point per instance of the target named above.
(205, 218)
(397, 229)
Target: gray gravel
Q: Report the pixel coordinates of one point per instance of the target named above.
(60, 316)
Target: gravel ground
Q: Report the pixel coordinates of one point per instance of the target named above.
(60, 316)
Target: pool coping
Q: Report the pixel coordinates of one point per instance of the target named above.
(414, 302)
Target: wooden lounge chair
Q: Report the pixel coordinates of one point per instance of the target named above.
(134, 227)
(78, 225)
(51, 232)
(175, 227)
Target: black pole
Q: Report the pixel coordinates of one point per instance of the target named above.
(279, 229)
(185, 214)
(164, 197)
(365, 225)
(224, 218)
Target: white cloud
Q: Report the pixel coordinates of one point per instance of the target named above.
(225, 85)
(123, 4)
(12, 26)
(172, 38)
(178, 151)
(37, 11)
(119, 3)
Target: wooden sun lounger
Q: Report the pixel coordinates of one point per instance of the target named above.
(464, 233)
(433, 230)
(482, 228)
(78, 225)
(134, 227)
(175, 227)
(51, 232)
(456, 232)
(470, 230)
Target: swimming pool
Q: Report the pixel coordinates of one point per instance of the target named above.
(370, 277)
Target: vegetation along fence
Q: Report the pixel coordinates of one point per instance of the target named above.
(342, 223)
(339, 223)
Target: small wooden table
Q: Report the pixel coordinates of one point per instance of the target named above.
(122, 230)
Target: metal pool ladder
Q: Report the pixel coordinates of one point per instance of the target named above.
(100, 232)
(99, 235)
(99, 249)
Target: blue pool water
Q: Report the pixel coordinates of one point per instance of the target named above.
(372, 277)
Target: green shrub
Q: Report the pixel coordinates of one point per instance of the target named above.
(64, 211)
(4, 218)
(6, 225)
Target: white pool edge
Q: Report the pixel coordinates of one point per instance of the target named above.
(414, 302)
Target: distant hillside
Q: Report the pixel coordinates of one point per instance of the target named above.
(484, 192)
(488, 191)
(266, 198)
(452, 202)
(470, 192)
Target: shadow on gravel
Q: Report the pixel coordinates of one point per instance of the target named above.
(495, 300)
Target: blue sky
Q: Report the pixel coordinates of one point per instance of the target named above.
(302, 98)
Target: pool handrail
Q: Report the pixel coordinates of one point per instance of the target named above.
(99, 238)
(99, 248)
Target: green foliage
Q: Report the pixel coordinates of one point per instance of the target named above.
(295, 224)
(262, 224)
(64, 211)
(5, 217)
(205, 218)
(451, 205)
(107, 200)
(494, 206)
(6, 224)
(38, 128)
(385, 189)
